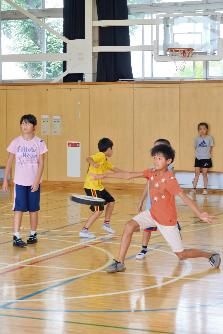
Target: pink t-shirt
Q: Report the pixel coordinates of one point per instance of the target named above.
(27, 154)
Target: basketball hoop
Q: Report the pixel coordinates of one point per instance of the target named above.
(178, 55)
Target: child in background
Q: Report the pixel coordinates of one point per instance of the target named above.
(98, 164)
(28, 152)
(148, 231)
(203, 148)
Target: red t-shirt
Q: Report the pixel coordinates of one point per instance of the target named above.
(163, 189)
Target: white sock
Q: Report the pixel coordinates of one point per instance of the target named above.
(32, 232)
(17, 235)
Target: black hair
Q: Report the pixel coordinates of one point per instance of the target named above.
(104, 144)
(163, 141)
(202, 124)
(166, 150)
(29, 118)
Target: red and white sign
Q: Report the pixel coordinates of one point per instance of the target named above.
(73, 159)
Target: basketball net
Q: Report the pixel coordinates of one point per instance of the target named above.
(178, 55)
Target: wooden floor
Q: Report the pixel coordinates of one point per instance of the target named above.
(60, 286)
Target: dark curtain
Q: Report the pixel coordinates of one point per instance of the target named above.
(73, 28)
(113, 66)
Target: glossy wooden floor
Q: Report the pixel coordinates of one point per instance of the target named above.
(60, 286)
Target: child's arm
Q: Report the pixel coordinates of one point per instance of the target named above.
(119, 175)
(8, 167)
(201, 215)
(35, 185)
(117, 170)
(91, 162)
(144, 196)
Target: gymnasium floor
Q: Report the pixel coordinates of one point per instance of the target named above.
(60, 286)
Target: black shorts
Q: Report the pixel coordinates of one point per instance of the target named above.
(203, 163)
(100, 194)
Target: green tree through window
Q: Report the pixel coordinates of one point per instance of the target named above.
(29, 38)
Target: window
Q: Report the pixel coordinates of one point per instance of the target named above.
(22, 36)
(196, 33)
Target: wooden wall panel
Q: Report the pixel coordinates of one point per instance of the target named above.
(156, 115)
(3, 125)
(73, 107)
(133, 115)
(111, 115)
(200, 103)
(25, 100)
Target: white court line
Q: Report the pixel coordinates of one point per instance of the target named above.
(49, 253)
(186, 272)
(101, 268)
(60, 240)
(202, 228)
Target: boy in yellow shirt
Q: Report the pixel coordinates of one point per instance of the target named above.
(98, 164)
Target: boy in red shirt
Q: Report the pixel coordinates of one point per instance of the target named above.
(163, 189)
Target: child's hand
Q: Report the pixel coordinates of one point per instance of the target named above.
(97, 176)
(5, 186)
(34, 187)
(95, 165)
(206, 217)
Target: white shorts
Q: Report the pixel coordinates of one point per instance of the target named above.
(170, 233)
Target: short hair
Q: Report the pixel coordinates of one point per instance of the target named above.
(162, 141)
(104, 144)
(29, 118)
(202, 124)
(166, 150)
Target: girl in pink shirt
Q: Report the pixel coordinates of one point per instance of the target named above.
(28, 152)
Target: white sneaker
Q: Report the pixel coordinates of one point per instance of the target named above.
(204, 192)
(140, 255)
(86, 234)
(108, 228)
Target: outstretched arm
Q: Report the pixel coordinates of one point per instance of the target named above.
(118, 175)
(201, 215)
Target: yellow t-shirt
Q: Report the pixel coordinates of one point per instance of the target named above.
(100, 159)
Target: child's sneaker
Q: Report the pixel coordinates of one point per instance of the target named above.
(141, 254)
(108, 228)
(18, 242)
(215, 260)
(86, 234)
(204, 192)
(32, 239)
(115, 267)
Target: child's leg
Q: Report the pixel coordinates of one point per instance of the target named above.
(129, 229)
(196, 177)
(205, 177)
(92, 219)
(17, 221)
(33, 216)
(172, 236)
(84, 233)
(145, 240)
(17, 241)
(214, 258)
(193, 253)
(108, 211)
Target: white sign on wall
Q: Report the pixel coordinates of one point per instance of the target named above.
(56, 125)
(45, 125)
(73, 159)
